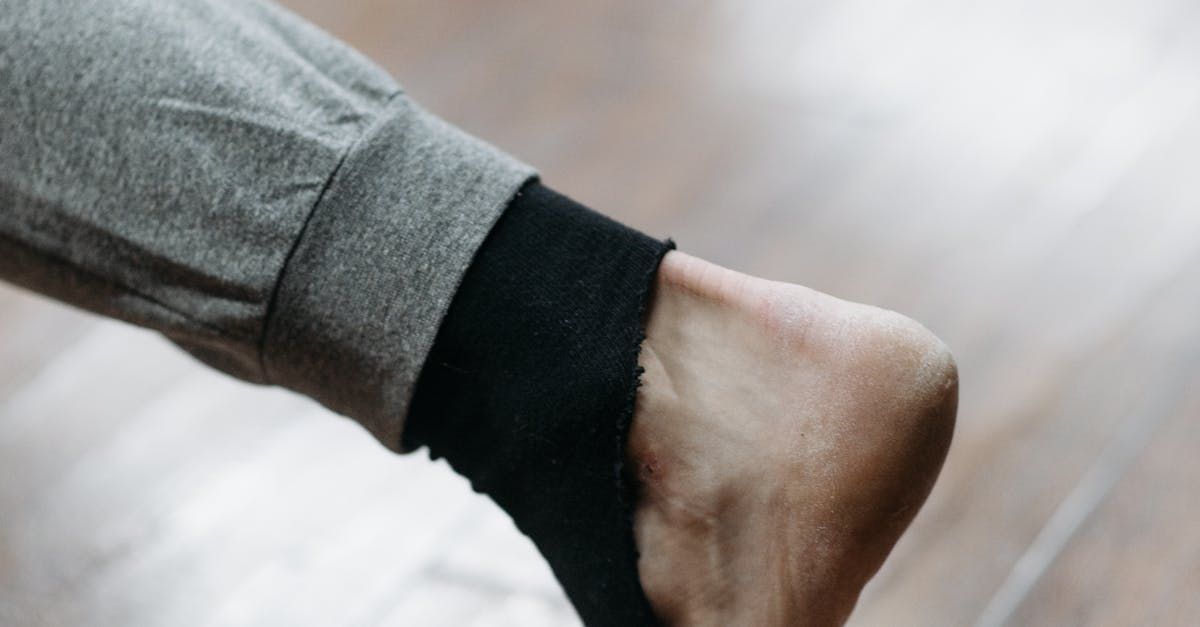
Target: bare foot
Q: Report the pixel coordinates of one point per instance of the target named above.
(783, 440)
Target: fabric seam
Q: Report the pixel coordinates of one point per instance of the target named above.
(282, 275)
(496, 213)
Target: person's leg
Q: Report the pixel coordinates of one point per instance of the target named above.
(224, 173)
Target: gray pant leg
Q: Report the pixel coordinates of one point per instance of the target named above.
(227, 174)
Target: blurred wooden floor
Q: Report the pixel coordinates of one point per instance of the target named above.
(1020, 175)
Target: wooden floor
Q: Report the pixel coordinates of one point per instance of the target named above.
(1021, 175)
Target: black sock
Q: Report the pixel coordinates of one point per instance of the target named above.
(528, 390)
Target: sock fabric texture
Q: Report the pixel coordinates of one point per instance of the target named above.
(529, 388)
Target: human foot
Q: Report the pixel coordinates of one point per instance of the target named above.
(782, 440)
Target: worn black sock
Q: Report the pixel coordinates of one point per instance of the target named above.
(529, 390)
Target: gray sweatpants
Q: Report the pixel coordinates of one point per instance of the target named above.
(226, 173)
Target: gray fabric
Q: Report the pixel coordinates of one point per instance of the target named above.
(225, 173)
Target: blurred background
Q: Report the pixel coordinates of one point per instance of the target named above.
(1022, 176)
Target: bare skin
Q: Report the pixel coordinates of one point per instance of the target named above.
(783, 440)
